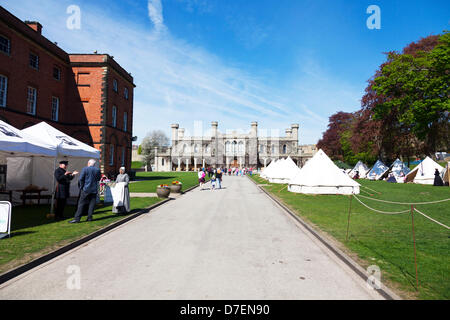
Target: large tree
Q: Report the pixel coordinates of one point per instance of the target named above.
(155, 138)
(417, 84)
(331, 139)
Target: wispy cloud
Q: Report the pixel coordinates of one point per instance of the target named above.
(156, 15)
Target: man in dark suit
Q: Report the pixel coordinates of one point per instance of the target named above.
(88, 183)
(63, 178)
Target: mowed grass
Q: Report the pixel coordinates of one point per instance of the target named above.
(33, 235)
(148, 181)
(386, 240)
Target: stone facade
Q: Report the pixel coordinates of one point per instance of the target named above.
(232, 149)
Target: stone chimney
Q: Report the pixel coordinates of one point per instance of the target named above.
(180, 133)
(36, 26)
(174, 127)
(214, 125)
(294, 134)
(254, 131)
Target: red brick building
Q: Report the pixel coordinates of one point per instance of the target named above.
(87, 96)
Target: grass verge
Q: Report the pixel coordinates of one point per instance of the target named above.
(385, 240)
(33, 235)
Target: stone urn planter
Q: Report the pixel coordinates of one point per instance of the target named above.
(163, 191)
(175, 187)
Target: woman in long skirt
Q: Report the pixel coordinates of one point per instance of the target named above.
(125, 208)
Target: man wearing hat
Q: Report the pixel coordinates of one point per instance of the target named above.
(63, 178)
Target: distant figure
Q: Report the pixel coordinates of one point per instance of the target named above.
(437, 179)
(201, 178)
(213, 181)
(63, 178)
(89, 183)
(356, 175)
(219, 178)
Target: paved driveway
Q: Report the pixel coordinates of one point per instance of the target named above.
(233, 243)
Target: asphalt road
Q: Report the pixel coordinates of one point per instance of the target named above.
(233, 243)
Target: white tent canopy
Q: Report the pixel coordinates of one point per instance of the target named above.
(284, 171)
(361, 168)
(424, 172)
(14, 142)
(321, 176)
(23, 171)
(67, 146)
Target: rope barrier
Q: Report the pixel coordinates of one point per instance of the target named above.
(379, 211)
(432, 219)
(405, 203)
(371, 189)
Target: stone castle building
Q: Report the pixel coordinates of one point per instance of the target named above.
(231, 149)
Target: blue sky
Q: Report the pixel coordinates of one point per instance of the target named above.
(235, 61)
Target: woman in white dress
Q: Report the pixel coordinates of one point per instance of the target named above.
(125, 208)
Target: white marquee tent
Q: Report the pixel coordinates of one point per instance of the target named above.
(361, 168)
(321, 176)
(269, 168)
(39, 171)
(13, 142)
(285, 171)
(424, 172)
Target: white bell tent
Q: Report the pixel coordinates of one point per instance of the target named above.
(424, 172)
(22, 171)
(269, 168)
(321, 176)
(361, 168)
(285, 171)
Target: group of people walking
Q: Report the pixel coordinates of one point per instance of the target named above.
(215, 176)
(88, 184)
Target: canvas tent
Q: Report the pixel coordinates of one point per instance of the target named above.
(23, 171)
(269, 168)
(361, 168)
(321, 176)
(283, 172)
(424, 172)
(398, 170)
(377, 171)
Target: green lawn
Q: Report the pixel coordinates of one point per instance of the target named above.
(33, 235)
(137, 164)
(147, 181)
(386, 240)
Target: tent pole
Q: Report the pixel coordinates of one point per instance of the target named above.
(53, 187)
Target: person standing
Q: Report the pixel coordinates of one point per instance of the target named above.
(219, 178)
(125, 207)
(201, 178)
(88, 182)
(437, 179)
(63, 179)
